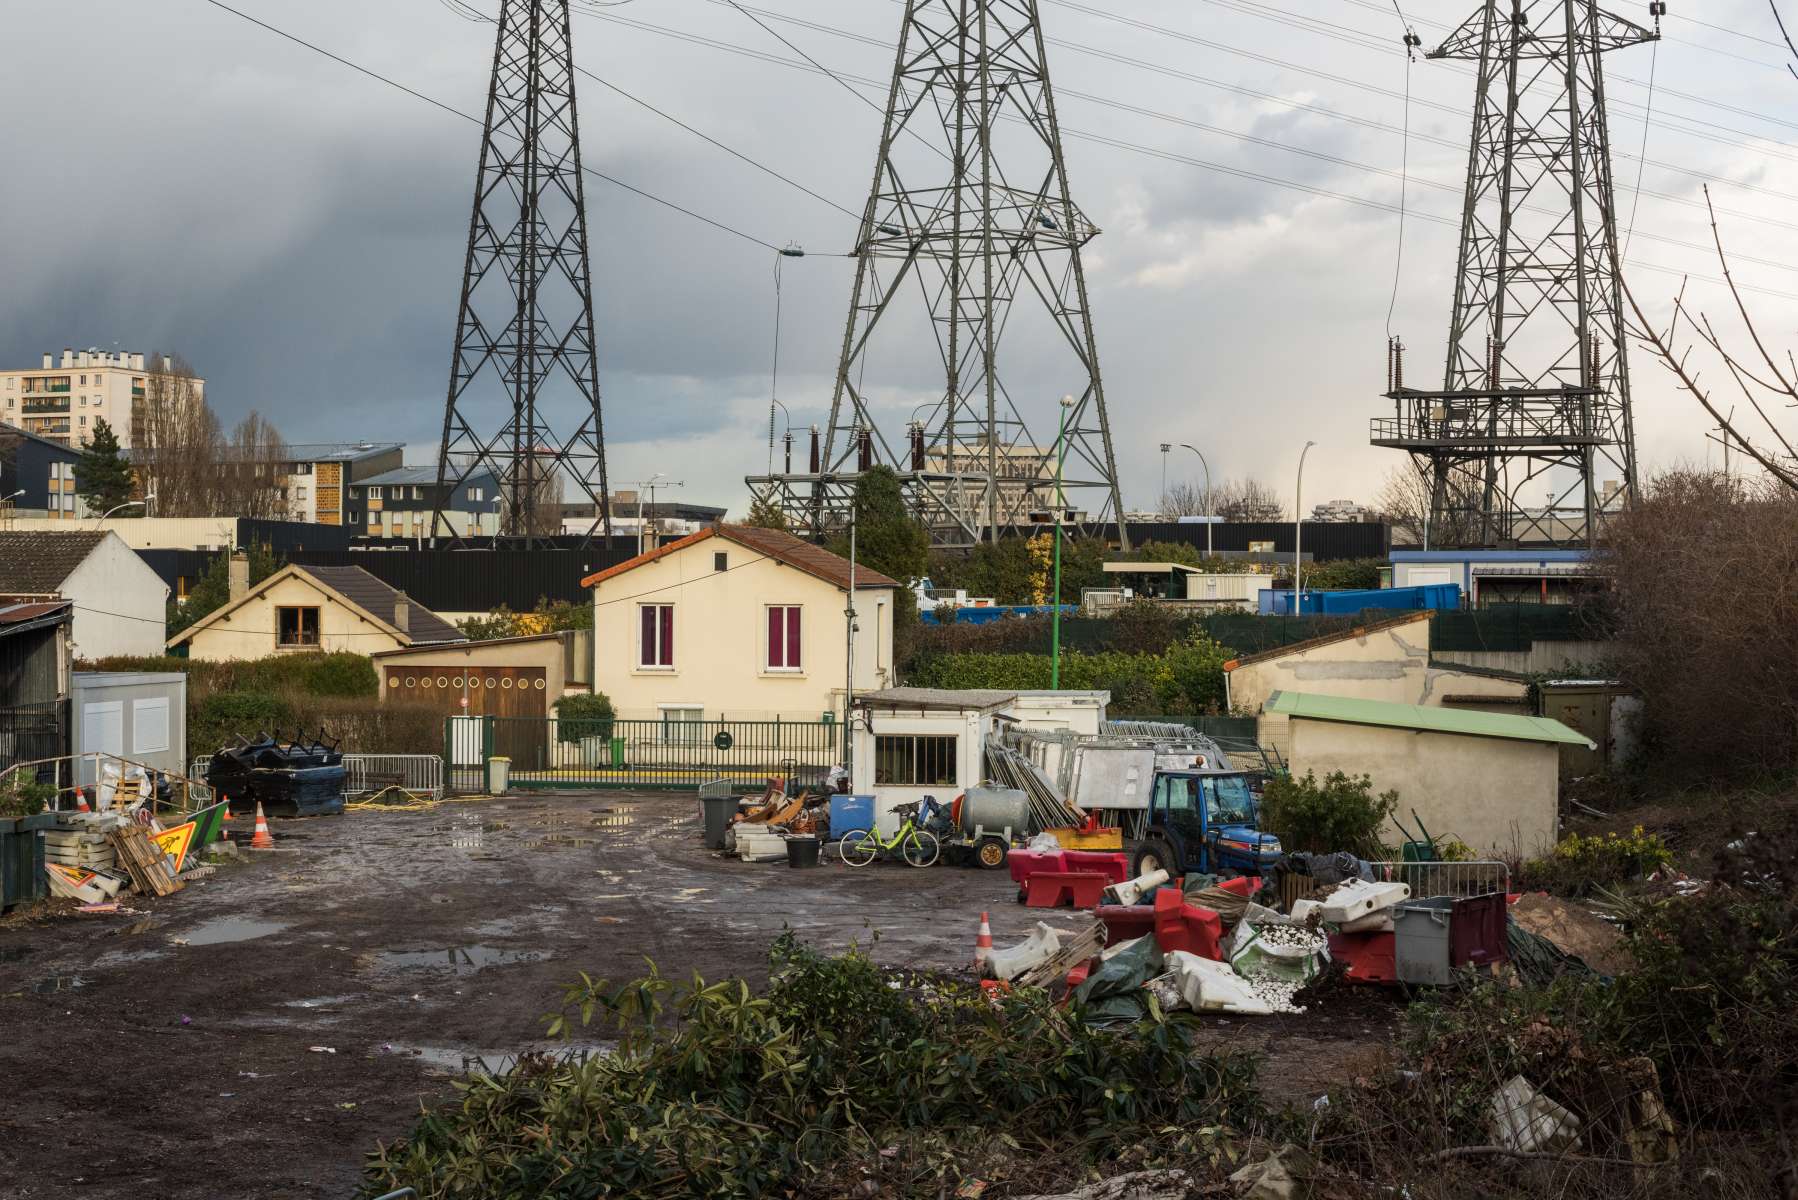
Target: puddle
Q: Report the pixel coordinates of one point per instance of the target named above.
(230, 929)
(462, 960)
(143, 926)
(319, 1002)
(615, 820)
(124, 958)
(59, 983)
(15, 953)
(560, 841)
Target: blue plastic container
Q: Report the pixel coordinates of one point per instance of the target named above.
(850, 813)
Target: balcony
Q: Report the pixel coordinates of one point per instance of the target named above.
(45, 389)
(47, 406)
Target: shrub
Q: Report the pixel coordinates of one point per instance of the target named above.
(1339, 814)
(338, 675)
(23, 797)
(217, 720)
(1578, 866)
(366, 725)
(718, 1090)
(584, 715)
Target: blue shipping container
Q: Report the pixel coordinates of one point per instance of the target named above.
(1437, 596)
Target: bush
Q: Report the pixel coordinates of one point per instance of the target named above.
(338, 675)
(218, 720)
(372, 726)
(1339, 814)
(585, 715)
(1579, 866)
(1187, 680)
(718, 1090)
(23, 797)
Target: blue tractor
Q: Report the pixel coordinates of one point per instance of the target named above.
(1204, 821)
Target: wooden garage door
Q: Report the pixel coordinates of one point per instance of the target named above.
(491, 692)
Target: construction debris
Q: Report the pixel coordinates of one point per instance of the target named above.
(1006, 768)
(144, 860)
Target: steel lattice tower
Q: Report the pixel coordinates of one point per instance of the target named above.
(970, 212)
(525, 345)
(1535, 402)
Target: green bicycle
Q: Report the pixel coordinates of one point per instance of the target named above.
(918, 847)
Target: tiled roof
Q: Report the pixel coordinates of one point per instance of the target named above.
(367, 592)
(419, 476)
(774, 543)
(1342, 635)
(33, 563)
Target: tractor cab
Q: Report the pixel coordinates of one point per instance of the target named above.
(1204, 821)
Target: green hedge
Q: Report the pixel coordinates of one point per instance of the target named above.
(1185, 679)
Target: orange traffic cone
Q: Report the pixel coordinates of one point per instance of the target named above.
(81, 800)
(226, 801)
(263, 839)
(983, 945)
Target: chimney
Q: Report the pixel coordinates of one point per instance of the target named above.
(239, 574)
(402, 613)
(68, 357)
(47, 362)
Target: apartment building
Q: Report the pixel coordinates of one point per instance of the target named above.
(37, 478)
(64, 399)
(400, 504)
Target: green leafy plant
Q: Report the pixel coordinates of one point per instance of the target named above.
(584, 715)
(718, 1089)
(23, 797)
(1579, 866)
(1341, 813)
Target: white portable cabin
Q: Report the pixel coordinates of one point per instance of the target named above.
(909, 743)
(140, 716)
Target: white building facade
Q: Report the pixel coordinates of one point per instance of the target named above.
(65, 398)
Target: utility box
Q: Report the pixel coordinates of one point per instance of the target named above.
(139, 716)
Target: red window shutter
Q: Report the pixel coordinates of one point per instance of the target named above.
(793, 660)
(667, 635)
(646, 654)
(777, 642)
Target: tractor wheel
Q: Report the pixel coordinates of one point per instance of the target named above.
(1154, 855)
(990, 853)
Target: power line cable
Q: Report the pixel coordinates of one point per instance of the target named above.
(456, 112)
(1635, 203)
(1398, 257)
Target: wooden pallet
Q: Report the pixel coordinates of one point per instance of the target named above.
(147, 864)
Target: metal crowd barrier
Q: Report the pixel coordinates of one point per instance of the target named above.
(367, 773)
(1428, 879)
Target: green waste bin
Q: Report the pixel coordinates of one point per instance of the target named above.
(22, 858)
(618, 752)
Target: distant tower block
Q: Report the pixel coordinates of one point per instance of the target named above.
(1533, 418)
(525, 348)
(970, 240)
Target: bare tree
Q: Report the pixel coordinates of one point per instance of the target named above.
(1756, 371)
(1786, 37)
(178, 441)
(1183, 500)
(1405, 501)
(253, 482)
(1247, 500)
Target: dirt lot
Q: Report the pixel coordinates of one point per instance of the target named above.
(171, 1054)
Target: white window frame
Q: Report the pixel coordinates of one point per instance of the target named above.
(768, 667)
(655, 668)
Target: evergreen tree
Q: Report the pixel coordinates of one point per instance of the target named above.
(887, 538)
(213, 591)
(102, 475)
(765, 514)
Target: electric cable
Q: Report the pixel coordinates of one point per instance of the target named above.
(1630, 229)
(456, 112)
(1398, 257)
(774, 373)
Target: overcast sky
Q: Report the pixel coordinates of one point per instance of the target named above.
(180, 179)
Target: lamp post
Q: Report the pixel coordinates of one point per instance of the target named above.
(1298, 533)
(128, 504)
(1067, 402)
(1208, 513)
(1161, 504)
(849, 660)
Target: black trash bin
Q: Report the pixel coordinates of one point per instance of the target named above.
(802, 851)
(718, 812)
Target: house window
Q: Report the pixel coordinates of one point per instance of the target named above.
(355, 517)
(418, 493)
(683, 726)
(474, 495)
(374, 493)
(783, 637)
(915, 761)
(721, 561)
(296, 627)
(655, 645)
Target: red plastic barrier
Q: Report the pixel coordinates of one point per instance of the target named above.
(1370, 957)
(1183, 926)
(1126, 923)
(1242, 885)
(1025, 863)
(1113, 864)
(1052, 889)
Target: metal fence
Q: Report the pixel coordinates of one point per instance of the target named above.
(667, 753)
(32, 732)
(366, 774)
(1428, 879)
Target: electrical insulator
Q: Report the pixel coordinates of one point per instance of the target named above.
(1411, 39)
(1657, 8)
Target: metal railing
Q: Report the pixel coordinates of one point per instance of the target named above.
(1427, 879)
(670, 753)
(365, 774)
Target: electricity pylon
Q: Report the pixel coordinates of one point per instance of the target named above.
(525, 346)
(1535, 402)
(970, 212)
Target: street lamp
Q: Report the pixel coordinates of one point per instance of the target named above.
(1298, 533)
(1208, 513)
(1067, 403)
(1162, 502)
(128, 504)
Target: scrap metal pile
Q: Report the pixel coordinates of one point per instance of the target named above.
(1007, 768)
(297, 777)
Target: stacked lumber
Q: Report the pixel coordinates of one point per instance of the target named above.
(1083, 945)
(143, 860)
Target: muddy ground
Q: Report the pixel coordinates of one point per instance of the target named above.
(172, 1053)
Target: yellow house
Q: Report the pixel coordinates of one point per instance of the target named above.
(737, 623)
(311, 609)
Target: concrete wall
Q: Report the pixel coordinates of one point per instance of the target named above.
(1496, 794)
(1390, 664)
(720, 637)
(1541, 656)
(251, 631)
(150, 533)
(120, 603)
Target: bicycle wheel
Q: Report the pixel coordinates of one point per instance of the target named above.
(920, 848)
(859, 848)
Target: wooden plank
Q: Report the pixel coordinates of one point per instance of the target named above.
(147, 865)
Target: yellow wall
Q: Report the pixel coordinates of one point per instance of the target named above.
(720, 637)
(250, 631)
(1498, 795)
(1391, 664)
